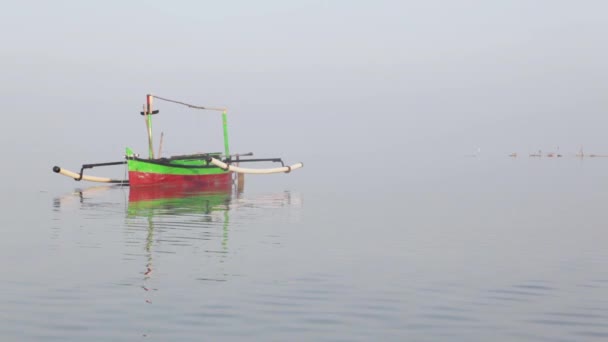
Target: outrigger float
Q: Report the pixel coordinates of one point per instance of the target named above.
(201, 170)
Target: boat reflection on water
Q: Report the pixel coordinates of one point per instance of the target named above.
(150, 201)
(166, 233)
(184, 205)
(182, 216)
(174, 220)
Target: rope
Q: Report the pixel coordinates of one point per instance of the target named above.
(220, 109)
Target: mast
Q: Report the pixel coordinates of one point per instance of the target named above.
(148, 111)
(225, 125)
(148, 114)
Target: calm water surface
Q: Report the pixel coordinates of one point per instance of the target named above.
(475, 250)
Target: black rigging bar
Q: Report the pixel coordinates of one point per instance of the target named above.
(90, 166)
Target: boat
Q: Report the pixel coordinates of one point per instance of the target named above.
(199, 170)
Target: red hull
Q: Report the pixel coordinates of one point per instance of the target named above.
(194, 181)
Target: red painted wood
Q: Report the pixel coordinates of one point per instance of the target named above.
(199, 181)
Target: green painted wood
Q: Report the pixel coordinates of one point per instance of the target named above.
(143, 166)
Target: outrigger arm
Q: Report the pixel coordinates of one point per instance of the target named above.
(80, 176)
(283, 169)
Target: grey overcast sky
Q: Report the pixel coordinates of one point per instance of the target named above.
(308, 80)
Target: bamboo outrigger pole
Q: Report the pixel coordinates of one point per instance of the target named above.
(227, 167)
(80, 176)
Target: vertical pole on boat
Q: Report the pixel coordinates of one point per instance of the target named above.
(240, 178)
(225, 124)
(160, 144)
(149, 124)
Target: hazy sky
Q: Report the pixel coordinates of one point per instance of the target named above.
(307, 80)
